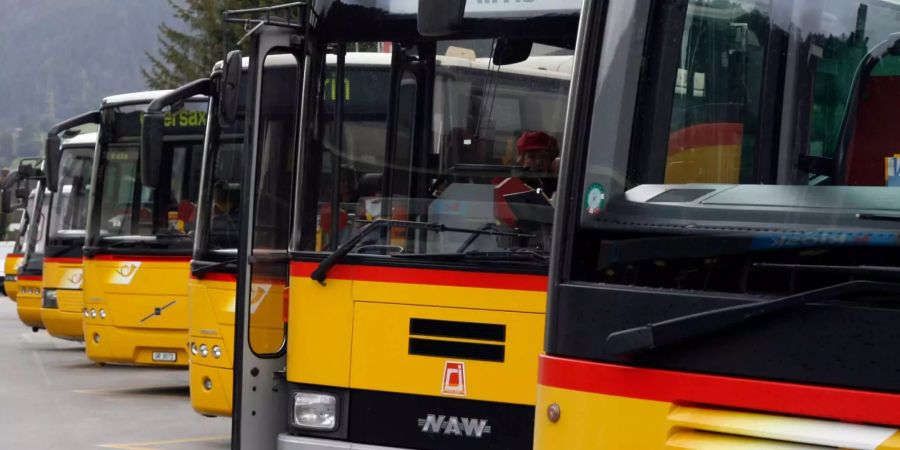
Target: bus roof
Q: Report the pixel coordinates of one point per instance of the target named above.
(80, 140)
(137, 98)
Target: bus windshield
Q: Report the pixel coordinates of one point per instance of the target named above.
(130, 212)
(486, 170)
(770, 133)
(69, 215)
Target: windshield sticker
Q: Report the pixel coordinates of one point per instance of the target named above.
(823, 238)
(892, 171)
(595, 199)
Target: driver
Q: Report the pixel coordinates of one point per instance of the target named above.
(536, 153)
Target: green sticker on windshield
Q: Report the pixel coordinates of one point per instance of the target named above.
(595, 199)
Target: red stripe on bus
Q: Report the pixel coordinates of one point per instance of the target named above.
(63, 260)
(690, 388)
(706, 135)
(213, 276)
(141, 258)
(30, 278)
(427, 276)
(15, 255)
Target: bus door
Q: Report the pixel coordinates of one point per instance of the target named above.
(260, 331)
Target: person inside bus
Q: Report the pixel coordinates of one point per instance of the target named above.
(537, 151)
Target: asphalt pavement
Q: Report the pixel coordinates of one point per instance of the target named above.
(53, 397)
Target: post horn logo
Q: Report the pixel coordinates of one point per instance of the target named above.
(76, 278)
(126, 270)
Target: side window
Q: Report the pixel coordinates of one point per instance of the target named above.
(275, 153)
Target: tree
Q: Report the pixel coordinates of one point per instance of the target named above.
(185, 56)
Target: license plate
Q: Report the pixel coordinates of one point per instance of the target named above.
(164, 356)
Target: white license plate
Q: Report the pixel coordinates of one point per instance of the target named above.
(164, 356)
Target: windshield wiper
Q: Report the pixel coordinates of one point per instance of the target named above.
(208, 267)
(692, 326)
(521, 255)
(322, 269)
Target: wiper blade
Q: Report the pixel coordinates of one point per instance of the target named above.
(680, 329)
(322, 269)
(203, 267)
(525, 255)
(826, 268)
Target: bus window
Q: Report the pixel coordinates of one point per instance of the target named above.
(277, 138)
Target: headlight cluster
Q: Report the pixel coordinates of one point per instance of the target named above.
(93, 313)
(49, 300)
(314, 411)
(204, 350)
(30, 290)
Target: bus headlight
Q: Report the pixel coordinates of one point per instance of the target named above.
(204, 350)
(314, 411)
(93, 313)
(85, 312)
(50, 299)
(217, 351)
(193, 348)
(102, 313)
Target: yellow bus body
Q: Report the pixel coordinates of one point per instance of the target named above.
(355, 332)
(587, 405)
(65, 275)
(211, 303)
(28, 300)
(10, 270)
(137, 309)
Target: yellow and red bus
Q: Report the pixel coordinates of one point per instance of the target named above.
(16, 189)
(30, 273)
(724, 265)
(68, 174)
(139, 238)
(399, 224)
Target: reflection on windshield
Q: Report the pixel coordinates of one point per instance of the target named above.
(490, 164)
(69, 216)
(753, 173)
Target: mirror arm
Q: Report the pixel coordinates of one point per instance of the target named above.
(202, 86)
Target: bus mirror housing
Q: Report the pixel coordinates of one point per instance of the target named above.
(230, 88)
(6, 201)
(152, 130)
(440, 17)
(511, 51)
(52, 157)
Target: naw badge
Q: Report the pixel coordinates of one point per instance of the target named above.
(124, 273)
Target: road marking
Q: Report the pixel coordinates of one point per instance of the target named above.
(149, 445)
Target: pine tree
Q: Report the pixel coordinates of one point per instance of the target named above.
(185, 56)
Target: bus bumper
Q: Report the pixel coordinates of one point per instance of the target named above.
(290, 442)
(217, 400)
(110, 344)
(29, 309)
(63, 324)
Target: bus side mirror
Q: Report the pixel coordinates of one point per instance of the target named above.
(6, 201)
(511, 51)
(152, 130)
(440, 17)
(230, 88)
(52, 157)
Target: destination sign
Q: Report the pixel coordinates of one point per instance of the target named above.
(482, 8)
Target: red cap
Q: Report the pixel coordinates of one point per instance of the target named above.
(535, 140)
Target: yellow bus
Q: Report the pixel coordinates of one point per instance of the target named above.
(724, 266)
(214, 265)
(68, 173)
(16, 189)
(138, 239)
(413, 248)
(30, 273)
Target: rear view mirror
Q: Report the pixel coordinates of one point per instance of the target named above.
(509, 51)
(230, 88)
(52, 157)
(152, 130)
(6, 201)
(440, 17)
